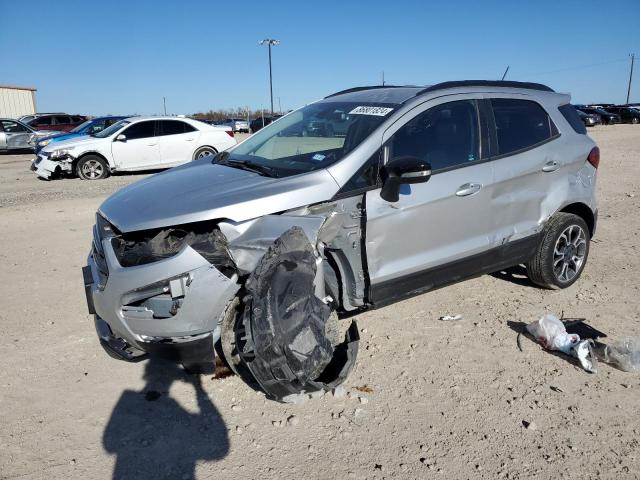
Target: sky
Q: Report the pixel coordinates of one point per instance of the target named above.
(123, 57)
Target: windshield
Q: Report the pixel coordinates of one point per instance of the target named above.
(82, 126)
(311, 138)
(112, 129)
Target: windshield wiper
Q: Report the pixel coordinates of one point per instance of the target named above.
(249, 166)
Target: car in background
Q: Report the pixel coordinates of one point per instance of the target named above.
(61, 122)
(607, 117)
(132, 144)
(627, 114)
(262, 122)
(90, 127)
(237, 124)
(16, 135)
(589, 119)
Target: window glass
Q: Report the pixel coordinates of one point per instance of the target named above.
(42, 121)
(174, 127)
(62, 120)
(444, 136)
(77, 119)
(366, 176)
(12, 127)
(140, 130)
(520, 124)
(571, 115)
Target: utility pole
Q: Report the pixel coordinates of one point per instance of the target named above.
(279, 107)
(630, 77)
(164, 103)
(269, 42)
(505, 73)
(383, 78)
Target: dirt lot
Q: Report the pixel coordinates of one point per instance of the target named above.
(442, 399)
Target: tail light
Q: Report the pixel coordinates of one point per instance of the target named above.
(230, 132)
(594, 157)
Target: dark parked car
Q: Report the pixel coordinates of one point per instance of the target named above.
(627, 114)
(60, 122)
(589, 119)
(608, 118)
(261, 122)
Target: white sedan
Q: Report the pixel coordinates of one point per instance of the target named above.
(137, 143)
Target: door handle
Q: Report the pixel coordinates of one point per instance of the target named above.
(551, 166)
(468, 189)
(151, 144)
(189, 139)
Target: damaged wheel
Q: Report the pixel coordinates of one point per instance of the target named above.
(287, 330)
(92, 167)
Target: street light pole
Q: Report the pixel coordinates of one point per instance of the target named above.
(269, 42)
(630, 77)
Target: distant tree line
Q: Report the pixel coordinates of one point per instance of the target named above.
(223, 114)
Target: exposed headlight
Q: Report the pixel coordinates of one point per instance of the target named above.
(61, 152)
(44, 143)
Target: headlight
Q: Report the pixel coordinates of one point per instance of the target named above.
(62, 152)
(44, 143)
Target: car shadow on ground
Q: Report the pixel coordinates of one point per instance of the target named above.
(516, 275)
(153, 436)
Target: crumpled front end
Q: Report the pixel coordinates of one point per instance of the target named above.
(46, 167)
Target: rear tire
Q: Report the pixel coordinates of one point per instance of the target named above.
(635, 120)
(92, 167)
(562, 253)
(203, 152)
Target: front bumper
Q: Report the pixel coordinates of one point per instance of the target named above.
(161, 307)
(46, 168)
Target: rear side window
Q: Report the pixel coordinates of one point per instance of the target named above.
(140, 130)
(520, 124)
(569, 113)
(174, 127)
(445, 136)
(62, 120)
(42, 121)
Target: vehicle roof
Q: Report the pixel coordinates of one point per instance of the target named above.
(158, 117)
(402, 94)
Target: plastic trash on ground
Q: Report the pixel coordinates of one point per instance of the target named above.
(624, 354)
(551, 333)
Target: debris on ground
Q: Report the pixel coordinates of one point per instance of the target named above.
(451, 318)
(552, 334)
(623, 354)
(364, 389)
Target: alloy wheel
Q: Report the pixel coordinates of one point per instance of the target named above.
(92, 169)
(569, 253)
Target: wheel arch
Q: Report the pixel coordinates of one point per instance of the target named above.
(215, 150)
(92, 152)
(583, 211)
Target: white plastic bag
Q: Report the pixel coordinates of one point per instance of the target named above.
(624, 354)
(549, 331)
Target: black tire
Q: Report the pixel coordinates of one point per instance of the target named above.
(92, 167)
(202, 152)
(635, 120)
(562, 253)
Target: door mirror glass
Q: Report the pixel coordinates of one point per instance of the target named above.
(121, 138)
(403, 170)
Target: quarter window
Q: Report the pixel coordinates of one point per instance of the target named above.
(520, 124)
(445, 136)
(140, 130)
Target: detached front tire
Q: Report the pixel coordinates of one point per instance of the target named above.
(92, 167)
(562, 253)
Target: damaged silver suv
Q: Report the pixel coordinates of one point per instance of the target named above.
(364, 198)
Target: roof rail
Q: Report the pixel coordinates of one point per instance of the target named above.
(486, 83)
(372, 87)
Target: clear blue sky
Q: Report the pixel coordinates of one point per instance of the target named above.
(113, 56)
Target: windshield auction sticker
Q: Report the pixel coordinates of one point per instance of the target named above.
(364, 110)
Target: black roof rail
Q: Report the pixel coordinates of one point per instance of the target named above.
(371, 87)
(486, 83)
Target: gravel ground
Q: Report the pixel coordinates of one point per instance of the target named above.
(427, 398)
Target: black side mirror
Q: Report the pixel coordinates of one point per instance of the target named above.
(402, 170)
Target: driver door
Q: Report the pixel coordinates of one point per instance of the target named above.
(434, 225)
(15, 135)
(140, 150)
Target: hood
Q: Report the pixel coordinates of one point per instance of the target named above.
(80, 141)
(201, 191)
(61, 136)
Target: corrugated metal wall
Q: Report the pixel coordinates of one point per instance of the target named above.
(15, 102)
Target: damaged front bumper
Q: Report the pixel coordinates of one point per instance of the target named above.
(46, 167)
(170, 307)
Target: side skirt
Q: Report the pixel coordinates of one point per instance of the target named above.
(504, 256)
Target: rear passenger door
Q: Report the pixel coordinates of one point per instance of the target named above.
(177, 141)
(438, 222)
(526, 165)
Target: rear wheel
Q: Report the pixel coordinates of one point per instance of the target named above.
(204, 152)
(635, 120)
(562, 252)
(92, 167)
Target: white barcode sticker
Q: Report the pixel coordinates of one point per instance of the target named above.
(364, 110)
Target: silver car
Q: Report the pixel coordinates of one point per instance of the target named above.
(15, 135)
(400, 190)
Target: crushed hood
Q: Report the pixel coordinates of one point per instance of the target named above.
(201, 191)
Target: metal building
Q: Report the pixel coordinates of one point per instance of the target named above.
(17, 101)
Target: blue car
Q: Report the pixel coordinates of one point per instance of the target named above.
(89, 127)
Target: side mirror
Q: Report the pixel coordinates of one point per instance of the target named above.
(121, 138)
(402, 170)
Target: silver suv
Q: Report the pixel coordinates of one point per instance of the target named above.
(364, 198)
